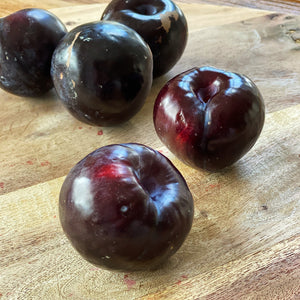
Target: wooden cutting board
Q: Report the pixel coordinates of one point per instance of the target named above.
(245, 240)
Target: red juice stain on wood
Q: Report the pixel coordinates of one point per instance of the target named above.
(80, 127)
(1, 185)
(212, 186)
(129, 282)
(45, 163)
(162, 151)
(29, 162)
(178, 282)
(100, 132)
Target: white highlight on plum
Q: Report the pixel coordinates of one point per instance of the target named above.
(85, 39)
(124, 208)
(82, 195)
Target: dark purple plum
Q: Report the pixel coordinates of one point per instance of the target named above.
(102, 72)
(28, 39)
(161, 23)
(209, 118)
(126, 207)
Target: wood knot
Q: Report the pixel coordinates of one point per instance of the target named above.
(203, 213)
(264, 207)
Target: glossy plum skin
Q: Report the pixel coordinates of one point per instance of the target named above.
(28, 39)
(209, 118)
(102, 72)
(161, 23)
(126, 207)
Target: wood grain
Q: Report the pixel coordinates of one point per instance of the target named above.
(245, 234)
(282, 6)
(254, 276)
(245, 240)
(7, 6)
(46, 132)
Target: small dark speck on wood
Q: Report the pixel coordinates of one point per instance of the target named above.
(204, 213)
(273, 16)
(289, 17)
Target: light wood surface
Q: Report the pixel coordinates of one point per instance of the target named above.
(282, 6)
(245, 240)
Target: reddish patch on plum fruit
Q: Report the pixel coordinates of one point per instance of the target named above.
(126, 207)
(209, 118)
